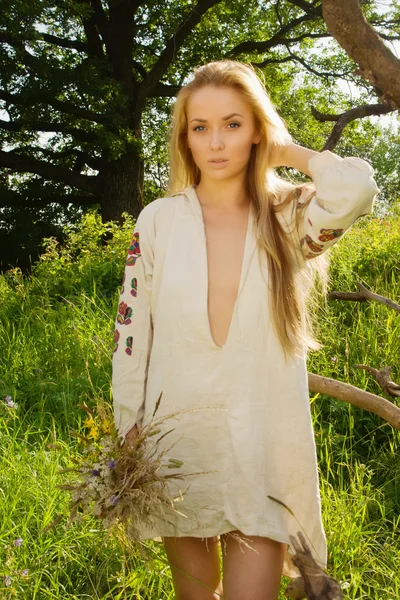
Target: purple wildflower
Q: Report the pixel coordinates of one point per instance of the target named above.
(38, 371)
(7, 398)
(95, 472)
(24, 572)
(111, 464)
(114, 500)
(11, 403)
(7, 580)
(18, 542)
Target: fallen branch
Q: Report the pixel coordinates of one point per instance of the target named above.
(362, 296)
(383, 378)
(314, 583)
(353, 395)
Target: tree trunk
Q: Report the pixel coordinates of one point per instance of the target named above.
(122, 187)
(346, 23)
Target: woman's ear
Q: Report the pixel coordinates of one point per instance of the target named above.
(257, 138)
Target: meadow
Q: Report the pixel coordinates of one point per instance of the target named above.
(56, 340)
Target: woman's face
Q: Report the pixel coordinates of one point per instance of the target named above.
(220, 126)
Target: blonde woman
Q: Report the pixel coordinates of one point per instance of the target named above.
(213, 315)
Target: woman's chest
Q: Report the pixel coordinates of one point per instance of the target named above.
(209, 286)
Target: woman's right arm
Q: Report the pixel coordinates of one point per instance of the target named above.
(133, 334)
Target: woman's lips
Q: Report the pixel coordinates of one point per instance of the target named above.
(218, 163)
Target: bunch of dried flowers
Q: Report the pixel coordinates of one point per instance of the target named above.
(117, 482)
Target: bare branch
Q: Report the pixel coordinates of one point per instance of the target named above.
(362, 296)
(383, 378)
(355, 396)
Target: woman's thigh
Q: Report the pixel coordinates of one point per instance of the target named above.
(195, 567)
(252, 567)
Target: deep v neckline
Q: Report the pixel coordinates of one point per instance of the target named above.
(243, 270)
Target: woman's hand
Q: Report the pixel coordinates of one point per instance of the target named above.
(130, 437)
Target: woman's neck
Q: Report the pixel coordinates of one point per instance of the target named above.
(229, 195)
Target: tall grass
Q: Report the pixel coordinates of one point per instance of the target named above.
(56, 331)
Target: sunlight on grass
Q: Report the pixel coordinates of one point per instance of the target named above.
(56, 331)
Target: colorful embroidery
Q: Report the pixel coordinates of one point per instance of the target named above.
(124, 314)
(128, 344)
(329, 234)
(116, 339)
(134, 287)
(134, 250)
(313, 245)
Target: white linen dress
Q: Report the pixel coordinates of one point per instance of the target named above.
(250, 430)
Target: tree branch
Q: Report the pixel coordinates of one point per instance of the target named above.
(295, 58)
(277, 39)
(83, 157)
(345, 118)
(78, 134)
(20, 164)
(64, 107)
(166, 91)
(41, 202)
(173, 45)
(64, 43)
(347, 24)
(355, 396)
(304, 5)
(362, 296)
(383, 377)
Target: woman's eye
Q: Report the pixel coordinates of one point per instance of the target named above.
(197, 127)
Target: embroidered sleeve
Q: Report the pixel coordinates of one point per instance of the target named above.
(343, 190)
(133, 333)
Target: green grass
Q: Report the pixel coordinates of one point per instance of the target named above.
(56, 331)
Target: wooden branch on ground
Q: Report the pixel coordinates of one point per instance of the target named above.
(314, 583)
(362, 296)
(383, 378)
(353, 395)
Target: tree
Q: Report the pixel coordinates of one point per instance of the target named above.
(90, 75)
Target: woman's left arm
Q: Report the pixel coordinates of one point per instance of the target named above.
(342, 189)
(293, 156)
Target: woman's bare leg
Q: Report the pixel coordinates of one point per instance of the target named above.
(251, 573)
(195, 567)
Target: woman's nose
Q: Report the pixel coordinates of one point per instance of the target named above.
(216, 142)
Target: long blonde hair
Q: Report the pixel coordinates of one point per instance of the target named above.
(289, 287)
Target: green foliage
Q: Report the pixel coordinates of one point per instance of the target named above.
(56, 330)
(75, 73)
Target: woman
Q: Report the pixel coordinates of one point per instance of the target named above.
(213, 315)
